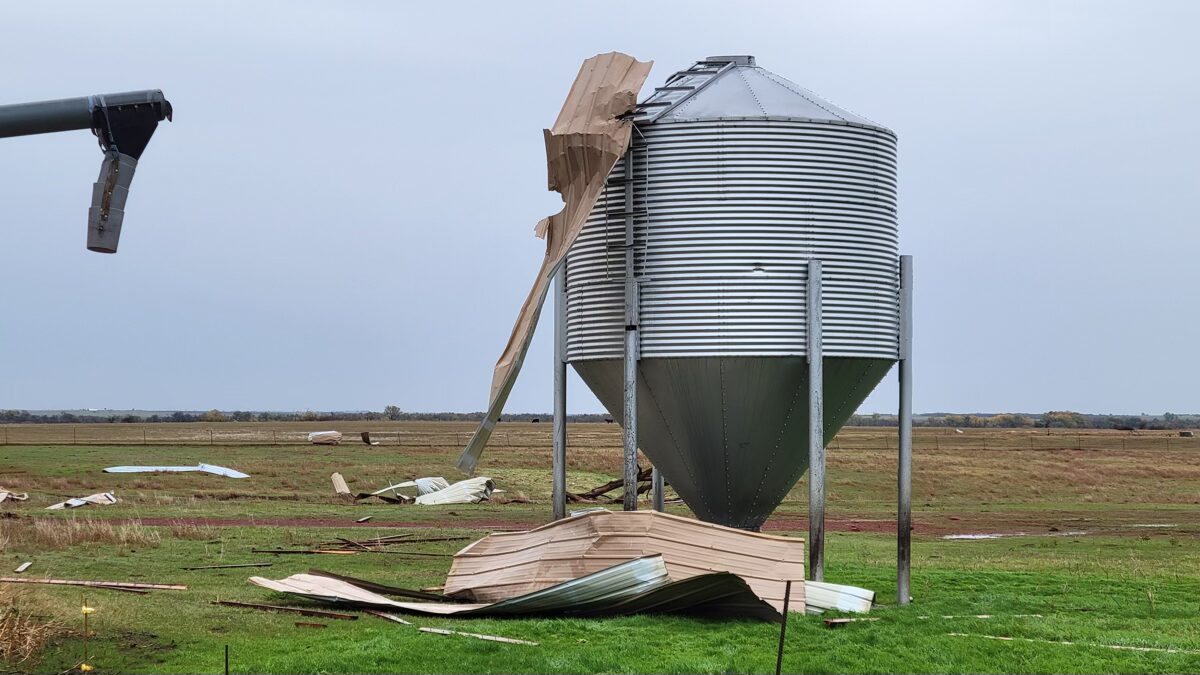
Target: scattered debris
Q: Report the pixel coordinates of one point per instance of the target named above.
(636, 586)
(838, 623)
(821, 596)
(469, 491)
(1163, 650)
(363, 519)
(378, 543)
(996, 535)
(1187, 434)
(15, 496)
(121, 585)
(505, 564)
(982, 616)
(433, 490)
(493, 638)
(204, 468)
(424, 486)
(597, 493)
(389, 617)
(325, 437)
(22, 567)
(305, 624)
(297, 610)
(340, 487)
(591, 509)
(381, 588)
(366, 438)
(281, 551)
(223, 567)
(100, 499)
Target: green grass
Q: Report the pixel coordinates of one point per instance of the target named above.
(1119, 585)
(1089, 590)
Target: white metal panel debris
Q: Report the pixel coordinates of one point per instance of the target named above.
(424, 486)
(339, 484)
(821, 596)
(325, 437)
(469, 491)
(15, 496)
(203, 468)
(99, 499)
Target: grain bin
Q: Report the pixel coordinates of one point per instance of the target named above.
(735, 180)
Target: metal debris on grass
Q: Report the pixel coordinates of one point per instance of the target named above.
(15, 496)
(99, 499)
(1163, 650)
(478, 636)
(504, 564)
(115, 585)
(202, 468)
(636, 586)
(821, 596)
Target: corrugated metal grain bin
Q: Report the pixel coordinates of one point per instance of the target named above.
(740, 178)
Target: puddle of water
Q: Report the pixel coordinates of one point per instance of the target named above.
(1155, 525)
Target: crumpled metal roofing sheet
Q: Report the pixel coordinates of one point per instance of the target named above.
(469, 491)
(507, 564)
(100, 499)
(424, 485)
(636, 586)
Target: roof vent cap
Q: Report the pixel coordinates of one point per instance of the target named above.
(737, 60)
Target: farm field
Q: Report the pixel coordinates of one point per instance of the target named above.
(1101, 550)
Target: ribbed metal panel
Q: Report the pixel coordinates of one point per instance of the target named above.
(728, 213)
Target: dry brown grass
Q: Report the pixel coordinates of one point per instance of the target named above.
(24, 630)
(60, 533)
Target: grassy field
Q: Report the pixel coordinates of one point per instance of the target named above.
(1104, 553)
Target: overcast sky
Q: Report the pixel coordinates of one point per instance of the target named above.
(341, 215)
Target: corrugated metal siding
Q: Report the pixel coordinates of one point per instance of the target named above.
(727, 215)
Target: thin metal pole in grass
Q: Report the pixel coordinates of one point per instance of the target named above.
(226, 659)
(787, 596)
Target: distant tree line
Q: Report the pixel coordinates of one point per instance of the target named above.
(1054, 419)
(390, 413)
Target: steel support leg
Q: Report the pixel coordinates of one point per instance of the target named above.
(816, 428)
(631, 345)
(560, 396)
(656, 487)
(904, 470)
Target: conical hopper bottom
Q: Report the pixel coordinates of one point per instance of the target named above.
(731, 434)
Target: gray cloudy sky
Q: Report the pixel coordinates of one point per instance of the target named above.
(341, 215)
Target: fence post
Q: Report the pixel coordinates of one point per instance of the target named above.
(273, 439)
(210, 440)
(143, 435)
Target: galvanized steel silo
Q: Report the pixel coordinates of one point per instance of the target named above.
(739, 179)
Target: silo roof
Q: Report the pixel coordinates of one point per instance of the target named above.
(722, 87)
